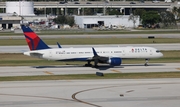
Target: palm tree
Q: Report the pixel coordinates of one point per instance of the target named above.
(133, 18)
(178, 13)
(175, 12)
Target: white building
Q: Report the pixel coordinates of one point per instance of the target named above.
(106, 21)
(14, 12)
(22, 8)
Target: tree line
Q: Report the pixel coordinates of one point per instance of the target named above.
(154, 18)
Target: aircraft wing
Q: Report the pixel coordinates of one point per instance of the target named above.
(112, 60)
(100, 59)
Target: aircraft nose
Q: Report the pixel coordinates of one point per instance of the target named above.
(161, 54)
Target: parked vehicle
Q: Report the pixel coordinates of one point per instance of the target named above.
(155, 1)
(88, 3)
(132, 3)
(76, 3)
(168, 1)
(63, 2)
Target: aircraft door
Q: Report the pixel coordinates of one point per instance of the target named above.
(151, 52)
(50, 53)
(123, 52)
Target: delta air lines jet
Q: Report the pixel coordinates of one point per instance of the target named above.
(110, 55)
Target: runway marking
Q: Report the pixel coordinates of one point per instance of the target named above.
(48, 72)
(129, 91)
(116, 71)
(36, 96)
(137, 98)
(155, 88)
(178, 68)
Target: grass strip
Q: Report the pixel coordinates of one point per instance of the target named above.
(92, 41)
(93, 76)
(89, 31)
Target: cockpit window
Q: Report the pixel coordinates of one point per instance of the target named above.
(158, 51)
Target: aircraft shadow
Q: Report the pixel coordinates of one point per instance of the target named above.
(124, 65)
(62, 66)
(100, 67)
(105, 67)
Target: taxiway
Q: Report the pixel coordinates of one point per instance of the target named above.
(78, 69)
(91, 93)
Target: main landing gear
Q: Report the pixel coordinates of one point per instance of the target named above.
(95, 63)
(146, 63)
(88, 64)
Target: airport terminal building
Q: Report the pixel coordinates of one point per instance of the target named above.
(106, 21)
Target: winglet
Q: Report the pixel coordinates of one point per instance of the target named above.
(94, 52)
(59, 46)
(32, 39)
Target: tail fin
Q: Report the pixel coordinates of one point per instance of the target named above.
(32, 39)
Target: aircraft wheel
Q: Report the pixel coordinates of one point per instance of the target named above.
(88, 65)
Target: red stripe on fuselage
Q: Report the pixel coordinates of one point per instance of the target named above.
(34, 37)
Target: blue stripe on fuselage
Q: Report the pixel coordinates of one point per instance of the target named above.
(75, 59)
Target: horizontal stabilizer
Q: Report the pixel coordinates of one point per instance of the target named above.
(37, 55)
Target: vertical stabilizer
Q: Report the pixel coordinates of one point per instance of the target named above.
(32, 39)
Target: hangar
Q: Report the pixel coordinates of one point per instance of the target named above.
(7, 21)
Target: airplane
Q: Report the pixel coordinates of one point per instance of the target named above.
(108, 55)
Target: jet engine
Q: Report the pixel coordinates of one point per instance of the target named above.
(115, 61)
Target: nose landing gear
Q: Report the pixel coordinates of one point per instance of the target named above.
(146, 63)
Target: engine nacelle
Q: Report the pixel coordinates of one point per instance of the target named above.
(115, 61)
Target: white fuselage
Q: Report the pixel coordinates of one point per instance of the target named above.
(83, 54)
